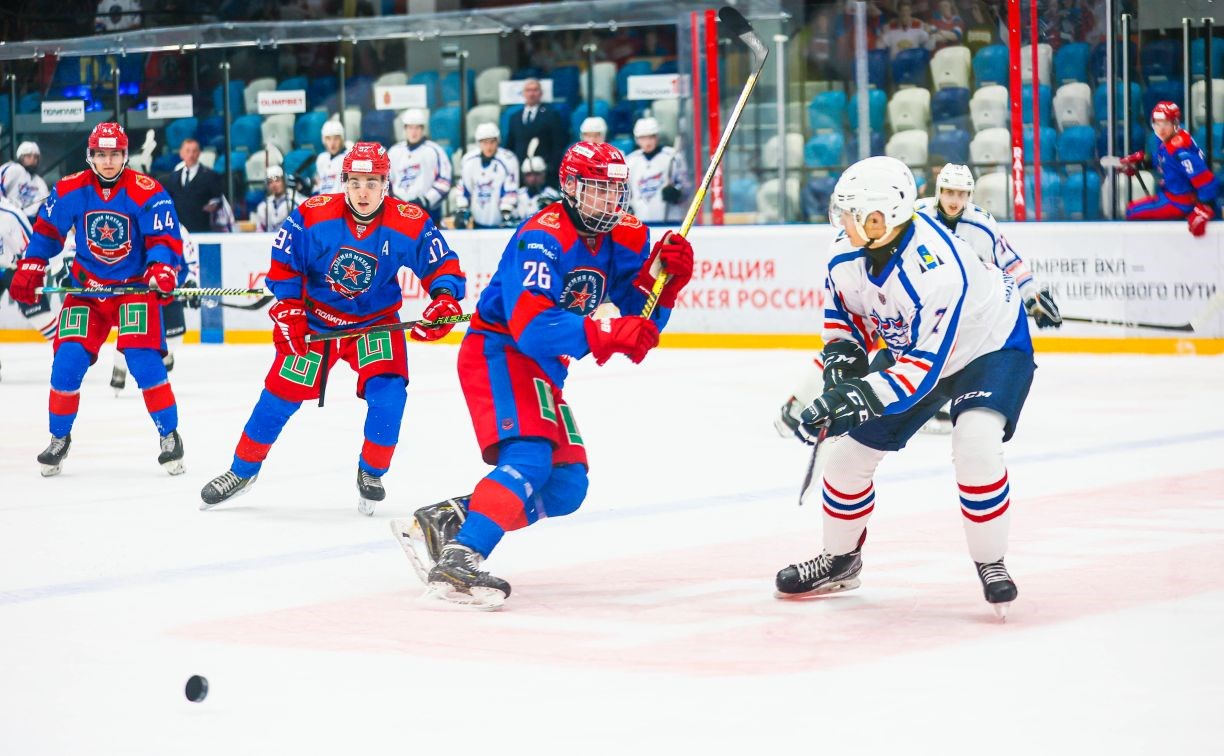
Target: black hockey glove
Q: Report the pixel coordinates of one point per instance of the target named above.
(463, 218)
(787, 421)
(670, 194)
(1044, 310)
(192, 302)
(508, 218)
(843, 408)
(842, 360)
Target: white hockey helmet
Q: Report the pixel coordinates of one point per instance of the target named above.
(534, 164)
(954, 176)
(645, 127)
(275, 172)
(414, 117)
(878, 184)
(333, 128)
(594, 125)
(27, 148)
(487, 130)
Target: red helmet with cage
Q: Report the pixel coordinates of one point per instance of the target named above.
(106, 136)
(367, 157)
(1166, 111)
(595, 182)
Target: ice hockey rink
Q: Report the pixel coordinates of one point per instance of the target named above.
(644, 621)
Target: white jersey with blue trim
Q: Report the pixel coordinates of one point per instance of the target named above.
(978, 227)
(490, 185)
(420, 172)
(328, 168)
(15, 233)
(934, 303)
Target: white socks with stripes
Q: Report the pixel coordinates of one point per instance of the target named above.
(981, 477)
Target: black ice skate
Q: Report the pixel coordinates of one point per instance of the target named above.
(998, 586)
(118, 379)
(225, 487)
(52, 457)
(457, 578)
(370, 491)
(168, 361)
(430, 529)
(171, 456)
(820, 575)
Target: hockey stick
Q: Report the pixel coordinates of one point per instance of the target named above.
(389, 328)
(811, 468)
(1113, 161)
(326, 367)
(1197, 323)
(737, 25)
(258, 304)
(106, 291)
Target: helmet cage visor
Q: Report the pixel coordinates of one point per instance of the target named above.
(600, 203)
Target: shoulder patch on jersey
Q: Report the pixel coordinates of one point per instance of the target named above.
(929, 260)
(73, 176)
(1180, 141)
(630, 221)
(145, 182)
(319, 200)
(550, 219)
(409, 210)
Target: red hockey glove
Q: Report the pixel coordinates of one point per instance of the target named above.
(1198, 218)
(674, 255)
(1132, 162)
(161, 279)
(30, 274)
(442, 306)
(289, 315)
(631, 335)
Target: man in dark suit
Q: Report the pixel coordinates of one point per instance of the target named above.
(195, 188)
(538, 120)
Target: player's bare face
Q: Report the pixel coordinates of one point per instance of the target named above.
(488, 147)
(414, 133)
(108, 163)
(1164, 129)
(648, 143)
(276, 187)
(594, 137)
(333, 144)
(876, 232)
(365, 192)
(953, 201)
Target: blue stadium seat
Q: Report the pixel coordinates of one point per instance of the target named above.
(300, 162)
(1071, 62)
(1077, 144)
(1081, 195)
(379, 126)
(359, 92)
(566, 85)
(211, 132)
(1198, 58)
(1046, 101)
(308, 130)
(622, 117)
(245, 133)
(824, 150)
(742, 194)
(239, 157)
(1049, 141)
(4, 109)
(444, 127)
(430, 80)
(877, 104)
(450, 88)
(816, 195)
(253, 196)
(877, 145)
(951, 107)
(509, 112)
(1217, 140)
(30, 102)
(630, 68)
(237, 101)
(990, 66)
(1162, 59)
(1138, 140)
(949, 146)
(180, 129)
(911, 67)
(72, 72)
(1098, 61)
(1051, 192)
(1100, 103)
(667, 67)
(580, 114)
(1170, 89)
(877, 68)
(293, 82)
(164, 163)
(827, 110)
(624, 144)
(319, 90)
(528, 72)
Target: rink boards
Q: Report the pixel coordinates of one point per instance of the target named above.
(761, 286)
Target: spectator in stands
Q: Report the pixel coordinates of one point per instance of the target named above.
(540, 121)
(195, 188)
(488, 183)
(279, 202)
(330, 162)
(593, 130)
(904, 31)
(983, 25)
(947, 27)
(420, 168)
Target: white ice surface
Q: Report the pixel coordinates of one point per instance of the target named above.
(644, 621)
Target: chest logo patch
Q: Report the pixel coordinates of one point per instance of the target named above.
(351, 272)
(894, 331)
(583, 291)
(108, 235)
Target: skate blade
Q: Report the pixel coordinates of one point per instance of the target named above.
(205, 506)
(49, 471)
(936, 427)
(366, 506)
(838, 587)
(1000, 610)
(484, 599)
(408, 533)
(118, 391)
(174, 467)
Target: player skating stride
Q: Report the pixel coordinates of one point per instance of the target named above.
(335, 266)
(905, 279)
(126, 233)
(532, 318)
(1187, 188)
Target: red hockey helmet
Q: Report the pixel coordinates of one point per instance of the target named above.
(1166, 111)
(595, 182)
(367, 157)
(106, 136)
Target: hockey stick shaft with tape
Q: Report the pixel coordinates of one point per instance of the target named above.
(389, 328)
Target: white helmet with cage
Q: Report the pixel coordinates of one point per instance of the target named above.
(877, 184)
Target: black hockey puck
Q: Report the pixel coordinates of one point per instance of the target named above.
(197, 688)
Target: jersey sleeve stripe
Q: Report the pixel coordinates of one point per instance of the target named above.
(526, 309)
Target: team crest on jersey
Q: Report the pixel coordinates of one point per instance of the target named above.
(144, 182)
(351, 272)
(584, 290)
(549, 220)
(319, 200)
(108, 235)
(894, 331)
(409, 210)
(929, 260)
(630, 221)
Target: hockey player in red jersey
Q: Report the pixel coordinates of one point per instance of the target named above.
(127, 233)
(1188, 187)
(335, 266)
(534, 316)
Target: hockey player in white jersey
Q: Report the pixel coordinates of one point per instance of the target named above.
(593, 129)
(903, 278)
(15, 233)
(535, 194)
(279, 202)
(330, 161)
(488, 183)
(656, 176)
(420, 168)
(20, 182)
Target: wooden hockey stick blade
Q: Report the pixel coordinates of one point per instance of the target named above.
(1129, 323)
(390, 328)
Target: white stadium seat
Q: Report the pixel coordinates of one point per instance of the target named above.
(488, 85)
(767, 200)
(605, 82)
(950, 67)
(990, 150)
(1135, 193)
(256, 171)
(392, 79)
(483, 114)
(794, 151)
(910, 147)
(1198, 92)
(992, 192)
(667, 113)
(988, 108)
(910, 109)
(352, 123)
(1045, 59)
(1073, 105)
(250, 95)
(277, 129)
